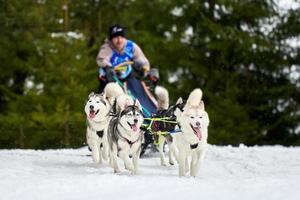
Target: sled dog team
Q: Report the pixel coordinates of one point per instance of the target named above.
(114, 123)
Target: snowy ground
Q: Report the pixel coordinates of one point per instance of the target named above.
(228, 173)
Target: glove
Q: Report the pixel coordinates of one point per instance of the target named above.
(142, 70)
(110, 73)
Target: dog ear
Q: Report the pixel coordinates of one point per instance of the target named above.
(91, 94)
(177, 113)
(138, 104)
(201, 105)
(103, 94)
(179, 101)
(125, 104)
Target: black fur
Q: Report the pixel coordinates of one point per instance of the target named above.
(100, 133)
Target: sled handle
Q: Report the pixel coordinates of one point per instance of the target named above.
(122, 65)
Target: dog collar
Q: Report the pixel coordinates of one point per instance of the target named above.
(194, 146)
(128, 141)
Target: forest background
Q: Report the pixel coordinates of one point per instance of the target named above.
(244, 55)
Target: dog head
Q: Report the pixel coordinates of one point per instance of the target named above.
(131, 117)
(96, 107)
(193, 118)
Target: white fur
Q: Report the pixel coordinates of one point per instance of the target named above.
(162, 96)
(111, 91)
(193, 116)
(121, 147)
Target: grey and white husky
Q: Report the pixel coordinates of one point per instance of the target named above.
(124, 134)
(192, 141)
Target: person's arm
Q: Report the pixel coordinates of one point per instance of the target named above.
(140, 59)
(104, 56)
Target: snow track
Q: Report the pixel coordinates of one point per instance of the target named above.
(227, 173)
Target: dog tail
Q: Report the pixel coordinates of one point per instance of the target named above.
(195, 98)
(162, 96)
(112, 91)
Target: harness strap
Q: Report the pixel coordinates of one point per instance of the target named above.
(128, 141)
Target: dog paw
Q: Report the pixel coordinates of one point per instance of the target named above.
(129, 168)
(135, 172)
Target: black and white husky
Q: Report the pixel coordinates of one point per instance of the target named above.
(124, 134)
(192, 141)
(97, 110)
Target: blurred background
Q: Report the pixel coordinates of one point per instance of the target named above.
(243, 54)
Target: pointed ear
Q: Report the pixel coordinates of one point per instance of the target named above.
(103, 95)
(91, 94)
(177, 113)
(179, 101)
(201, 105)
(138, 104)
(125, 104)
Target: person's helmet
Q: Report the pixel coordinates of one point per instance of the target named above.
(116, 30)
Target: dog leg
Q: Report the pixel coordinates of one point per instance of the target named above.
(135, 159)
(114, 159)
(100, 151)
(198, 162)
(105, 150)
(95, 151)
(182, 159)
(161, 142)
(127, 162)
(187, 167)
(172, 152)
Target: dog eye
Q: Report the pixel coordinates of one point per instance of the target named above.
(90, 101)
(98, 101)
(192, 117)
(129, 115)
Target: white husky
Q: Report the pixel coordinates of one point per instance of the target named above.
(124, 134)
(97, 109)
(192, 141)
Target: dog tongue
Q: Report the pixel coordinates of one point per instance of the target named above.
(92, 115)
(134, 128)
(198, 133)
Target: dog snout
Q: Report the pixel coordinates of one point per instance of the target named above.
(198, 124)
(91, 107)
(135, 121)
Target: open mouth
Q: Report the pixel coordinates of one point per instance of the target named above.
(134, 127)
(92, 113)
(197, 131)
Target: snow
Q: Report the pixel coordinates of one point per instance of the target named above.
(267, 173)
